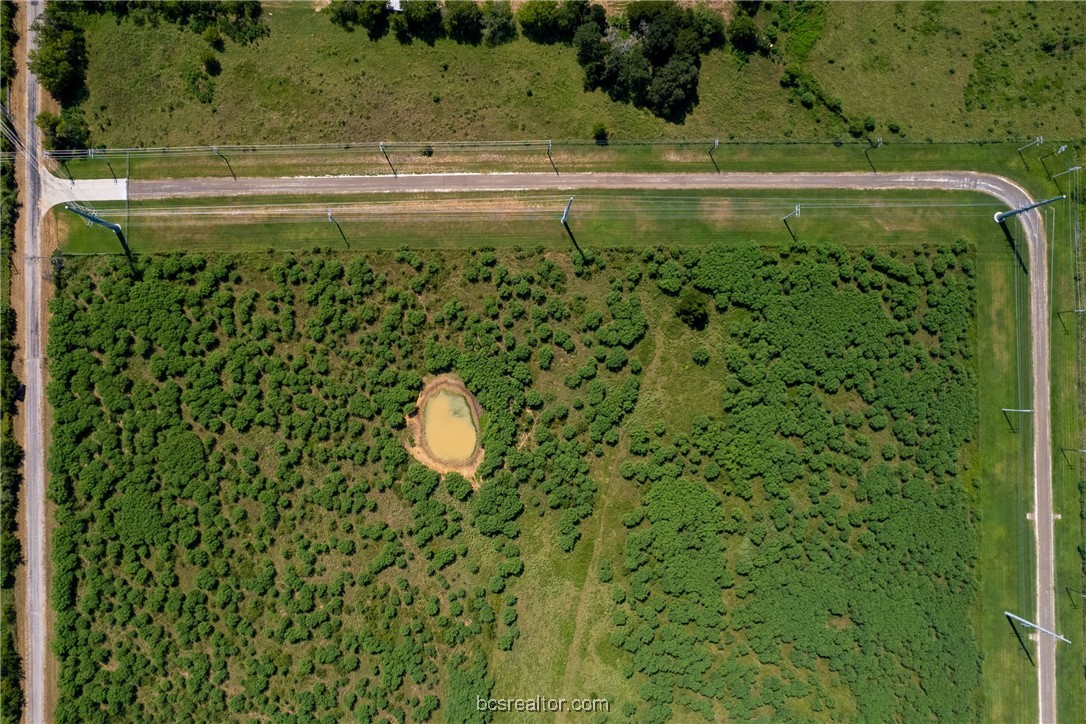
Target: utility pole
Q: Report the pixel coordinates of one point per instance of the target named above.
(550, 145)
(1064, 173)
(215, 150)
(1057, 152)
(115, 228)
(332, 219)
(716, 145)
(1059, 315)
(876, 144)
(1035, 142)
(1001, 219)
(1011, 618)
(387, 159)
(565, 223)
(1005, 410)
(795, 213)
(1001, 216)
(1065, 450)
(108, 164)
(1030, 624)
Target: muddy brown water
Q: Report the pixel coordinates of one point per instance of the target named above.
(448, 427)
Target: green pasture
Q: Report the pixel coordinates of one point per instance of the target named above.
(1003, 485)
(933, 70)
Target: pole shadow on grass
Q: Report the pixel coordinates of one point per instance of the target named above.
(1010, 422)
(228, 164)
(1020, 641)
(339, 229)
(1014, 246)
(573, 239)
(344, 236)
(387, 159)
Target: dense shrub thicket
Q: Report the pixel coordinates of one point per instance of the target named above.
(825, 499)
(242, 531)
(238, 517)
(652, 57)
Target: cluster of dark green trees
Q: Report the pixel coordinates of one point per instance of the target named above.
(60, 62)
(650, 54)
(11, 454)
(428, 20)
(652, 59)
(820, 520)
(238, 517)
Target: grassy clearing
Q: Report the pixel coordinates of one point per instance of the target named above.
(311, 81)
(957, 70)
(565, 621)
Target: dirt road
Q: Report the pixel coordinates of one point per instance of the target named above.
(466, 182)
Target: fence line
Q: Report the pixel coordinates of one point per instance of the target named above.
(541, 145)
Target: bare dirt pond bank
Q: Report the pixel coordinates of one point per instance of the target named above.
(444, 430)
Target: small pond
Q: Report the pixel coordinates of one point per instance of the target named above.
(448, 428)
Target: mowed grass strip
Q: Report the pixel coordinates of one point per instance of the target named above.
(1003, 488)
(451, 221)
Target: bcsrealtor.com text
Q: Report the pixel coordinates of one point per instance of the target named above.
(543, 704)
